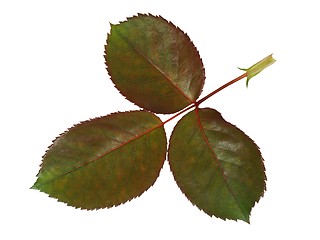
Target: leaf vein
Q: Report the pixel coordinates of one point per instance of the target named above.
(104, 154)
(217, 160)
(162, 72)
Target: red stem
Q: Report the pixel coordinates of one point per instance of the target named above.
(220, 88)
(197, 103)
(182, 111)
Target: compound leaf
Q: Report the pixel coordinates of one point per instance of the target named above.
(154, 64)
(105, 161)
(217, 166)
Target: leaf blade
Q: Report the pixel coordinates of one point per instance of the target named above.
(99, 163)
(154, 64)
(223, 169)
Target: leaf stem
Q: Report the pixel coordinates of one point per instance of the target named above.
(182, 111)
(220, 88)
(196, 104)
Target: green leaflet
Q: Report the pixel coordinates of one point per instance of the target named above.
(105, 161)
(154, 64)
(216, 165)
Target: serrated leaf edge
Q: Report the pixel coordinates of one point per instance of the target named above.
(169, 22)
(34, 187)
(262, 160)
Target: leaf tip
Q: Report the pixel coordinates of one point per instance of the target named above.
(246, 219)
(34, 187)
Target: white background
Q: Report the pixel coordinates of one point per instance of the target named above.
(52, 75)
